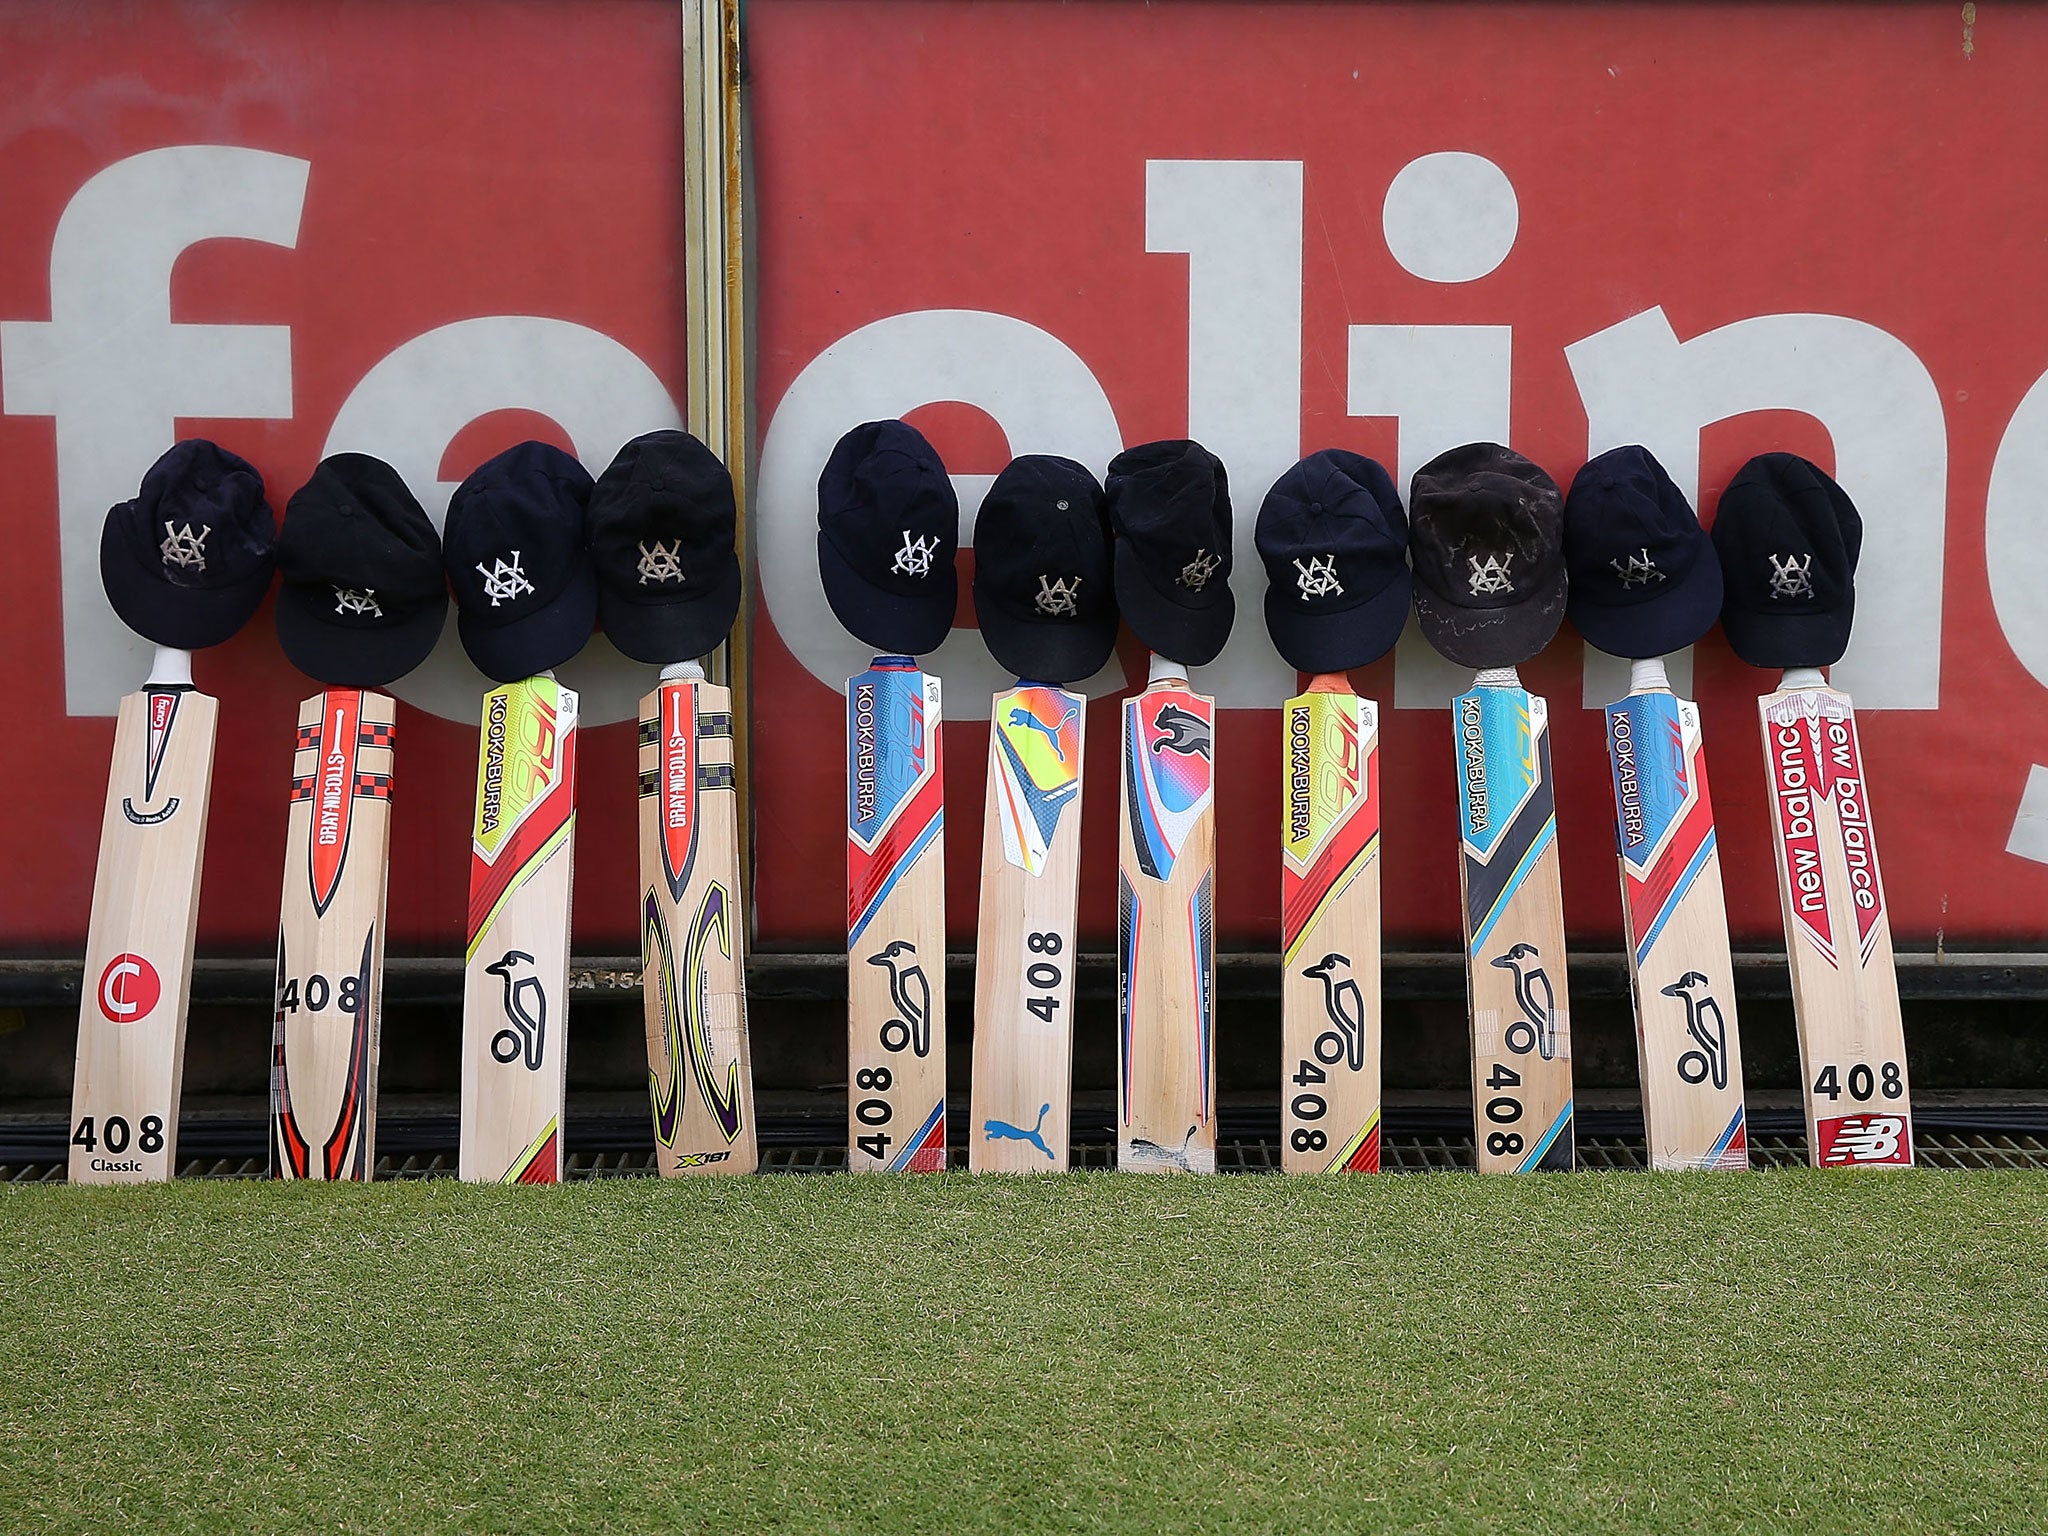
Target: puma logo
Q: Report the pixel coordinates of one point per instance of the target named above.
(1002, 1130)
(1022, 717)
(1184, 731)
(1149, 1154)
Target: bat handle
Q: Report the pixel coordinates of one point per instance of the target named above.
(1803, 677)
(1164, 671)
(1497, 677)
(682, 672)
(170, 668)
(1646, 675)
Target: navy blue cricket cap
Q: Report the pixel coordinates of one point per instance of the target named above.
(1788, 537)
(888, 531)
(1645, 580)
(1486, 534)
(525, 595)
(186, 563)
(1044, 594)
(663, 523)
(1335, 542)
(1169, 509)
(364, 595)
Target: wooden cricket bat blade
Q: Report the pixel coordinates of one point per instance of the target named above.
(1166, 933)
(1838, 941)
(1022, 1092)
(1514, 931)
(895, 921)
(693, 932)
(515, 996)
(1688, 1047)
(330, 939)
(138, 948)
(1330, 933)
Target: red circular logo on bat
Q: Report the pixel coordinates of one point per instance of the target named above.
(129, 989)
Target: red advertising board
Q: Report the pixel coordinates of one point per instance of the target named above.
(427, 231)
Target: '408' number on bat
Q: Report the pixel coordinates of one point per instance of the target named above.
(1042, 976)
(1862, 1083)
(874, 1111)
(149, 1134)
(345, 994)
(1329, 1051)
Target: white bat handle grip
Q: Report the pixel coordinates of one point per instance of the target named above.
(171, 668)
(1164, 671)
(1497, 677)
(682, 672)
(1647, 676)
(1803, 677)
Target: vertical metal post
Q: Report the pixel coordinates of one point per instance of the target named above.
(715, 313)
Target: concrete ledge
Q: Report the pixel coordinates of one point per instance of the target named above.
(1421, 974)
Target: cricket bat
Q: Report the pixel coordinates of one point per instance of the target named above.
(1845, 991)
(1024, 953)
(895, 921)
(1166, 929)
(138, 948)
(515, 987)
(1330, 932)
(1514, 929)
(330, 940)
(693, 929)
(1680, 973)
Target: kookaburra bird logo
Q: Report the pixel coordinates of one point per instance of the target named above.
(525, 1035)
(1533, 995)
(910, 994)
(1344, 1004)
(184, 548)
(1704, 1023)
(1791, 575)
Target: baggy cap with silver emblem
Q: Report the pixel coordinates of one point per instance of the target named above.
(1486, 535)
(1044, 595)
(1789, 538)
(1169, 509)
(1335, 544)
(888, 529)
(364, 596)
(186, 563)
(524, 592)
(1644, 577)
(662, 528)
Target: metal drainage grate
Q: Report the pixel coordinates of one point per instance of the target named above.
(1398, 1154)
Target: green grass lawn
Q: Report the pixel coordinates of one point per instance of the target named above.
(1764, 1352)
